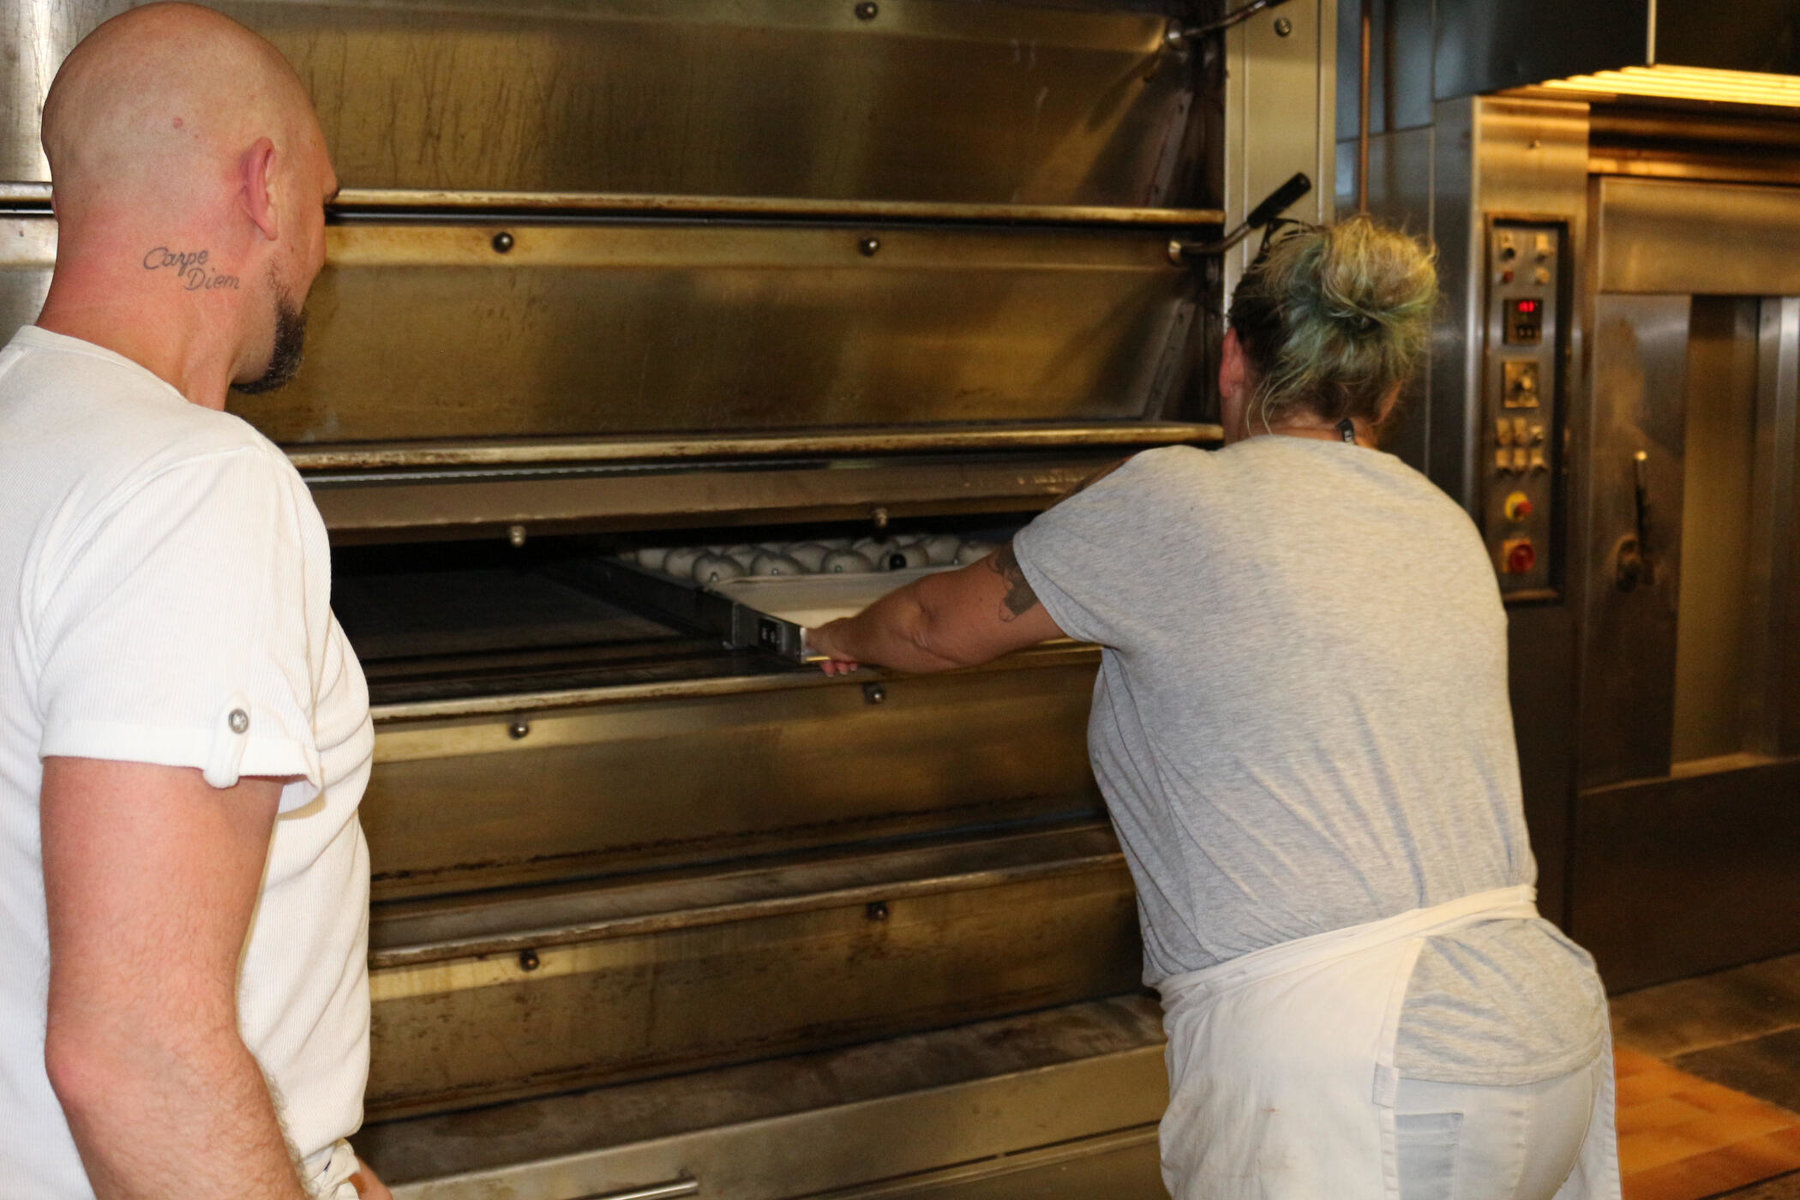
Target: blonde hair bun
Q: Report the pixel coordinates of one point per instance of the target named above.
(1334, 319)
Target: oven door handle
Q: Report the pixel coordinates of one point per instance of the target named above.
(683, 1186)
(1634, 564)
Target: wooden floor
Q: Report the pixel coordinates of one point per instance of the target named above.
(1709, 1085)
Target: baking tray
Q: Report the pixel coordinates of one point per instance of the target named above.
(765, 612)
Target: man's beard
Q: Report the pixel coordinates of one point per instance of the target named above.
(290, 343)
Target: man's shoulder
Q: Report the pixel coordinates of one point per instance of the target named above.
(78, 411)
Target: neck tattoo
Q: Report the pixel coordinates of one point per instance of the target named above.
(190, 267)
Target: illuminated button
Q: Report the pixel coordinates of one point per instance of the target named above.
(1503, 431)
(1518, 506)
(1543, 247)
(1520, 460)
(1503, 460)
(1518, 556)
(1520, 432)
(1542, 274)
(1538, 465)
(1537, 434)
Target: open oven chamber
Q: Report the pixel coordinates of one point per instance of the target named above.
(655, 915)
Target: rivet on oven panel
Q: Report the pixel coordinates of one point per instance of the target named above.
(503, 242)
(869, 246)
(874, 693)
(1283, 27)
(518, 729)
(866, 10)
(515, 535)
(878, 911)
(528, 960)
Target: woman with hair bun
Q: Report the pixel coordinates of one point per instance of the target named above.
(1302, 730)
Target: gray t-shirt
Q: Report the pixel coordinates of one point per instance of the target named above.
(1301, 723)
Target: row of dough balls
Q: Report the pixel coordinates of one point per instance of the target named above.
(823, 556)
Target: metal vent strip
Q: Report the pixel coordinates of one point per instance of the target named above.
(382, 204)
(574, 454)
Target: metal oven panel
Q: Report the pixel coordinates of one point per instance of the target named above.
(707, 97)
(428, 332)
(1015, 1106)
(520, 502)
(629, 980)
(608, 331)
(695, 771)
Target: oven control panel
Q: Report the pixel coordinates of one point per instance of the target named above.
(1521, 403)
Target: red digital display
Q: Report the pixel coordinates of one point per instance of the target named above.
(1524, 325)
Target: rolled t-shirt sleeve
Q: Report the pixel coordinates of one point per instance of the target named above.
(175, 630)
(1091, 558)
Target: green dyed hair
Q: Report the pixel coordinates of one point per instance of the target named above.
(1333, 319)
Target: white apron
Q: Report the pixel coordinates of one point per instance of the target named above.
(1281, 1065)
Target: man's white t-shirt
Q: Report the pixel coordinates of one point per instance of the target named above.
(165, 591)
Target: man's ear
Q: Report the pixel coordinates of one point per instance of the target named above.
(256, 184)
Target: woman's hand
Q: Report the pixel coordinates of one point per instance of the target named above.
(368, 1187)
(826, 640)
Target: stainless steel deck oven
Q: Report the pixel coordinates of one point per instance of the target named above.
(656, 915)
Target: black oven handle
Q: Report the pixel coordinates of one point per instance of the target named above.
(1272, 206)
(1236, 17)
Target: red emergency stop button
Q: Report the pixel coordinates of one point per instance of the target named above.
(1518, 506)
(1518, 556)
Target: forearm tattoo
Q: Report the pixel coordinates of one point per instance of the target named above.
(1020, 599)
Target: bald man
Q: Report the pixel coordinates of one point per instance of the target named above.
(184, 732)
